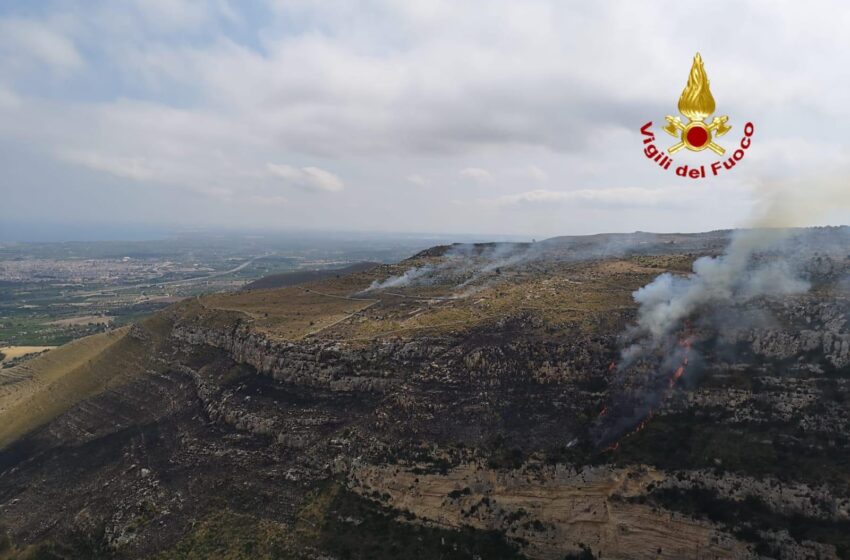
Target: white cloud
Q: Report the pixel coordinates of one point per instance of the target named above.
(8, 98)
(418, 180)
(134, 168)
(310, 178)
(174, 13)
(23, 40)
(268, 200)
(633, 197)
(477, 174)
(199, 97)
(537, 174)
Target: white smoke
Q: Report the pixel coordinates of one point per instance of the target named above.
(412, 276)
(471, 268)
(730, 278)
(463, 263)
(756, 264)
(734, 277)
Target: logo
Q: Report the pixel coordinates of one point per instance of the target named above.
(696, 104)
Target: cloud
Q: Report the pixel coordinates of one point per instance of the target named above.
(310, 178)
(418, 180)
(203, 97)
(268, 200)
(603, 197)
(476, 174)
(537, 174)
(174, 13)
(134, 168)
(8, 98)
(25, 40)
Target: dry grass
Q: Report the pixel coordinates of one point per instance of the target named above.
(290, 313)
(13, 352)
(41, 389)
(581, 295)
(575, 294)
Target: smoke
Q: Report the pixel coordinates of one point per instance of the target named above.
(759, 262)
(414, 275)
(472, 267)
(462, 266)
(729, 278)
(734, 277)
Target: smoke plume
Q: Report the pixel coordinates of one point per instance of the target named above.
(759, 262)
(461, 266)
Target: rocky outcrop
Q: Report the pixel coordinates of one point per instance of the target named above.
(808, 328)
(328, 365)
(551, 511)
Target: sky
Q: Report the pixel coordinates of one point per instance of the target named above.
(490, 117)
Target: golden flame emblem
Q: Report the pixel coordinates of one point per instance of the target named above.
(696, 103)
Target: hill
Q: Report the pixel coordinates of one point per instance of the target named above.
(303, 276)
(473, 401)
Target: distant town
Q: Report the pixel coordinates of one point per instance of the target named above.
(52, 293)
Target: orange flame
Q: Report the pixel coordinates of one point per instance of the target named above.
(612, 447)
(686, 344)
(643, 423)
(676, 375)
(680, 371)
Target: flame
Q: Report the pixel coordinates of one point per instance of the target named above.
(686, 344)
(643, 423)
(696, 101)
(676, 375)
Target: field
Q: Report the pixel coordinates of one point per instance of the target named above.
(11, 353)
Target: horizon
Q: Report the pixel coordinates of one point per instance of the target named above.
(52, 233)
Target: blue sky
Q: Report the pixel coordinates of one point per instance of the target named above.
(480, 117)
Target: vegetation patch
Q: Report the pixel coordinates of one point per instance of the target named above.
(690, 441)
(230, 536)
(354, 528)
(747, 517)
(91, 546)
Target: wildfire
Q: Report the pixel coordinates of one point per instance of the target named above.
(685, 344)
(643, 423)
(640, 427)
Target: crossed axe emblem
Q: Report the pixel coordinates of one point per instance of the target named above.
(696, 135)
